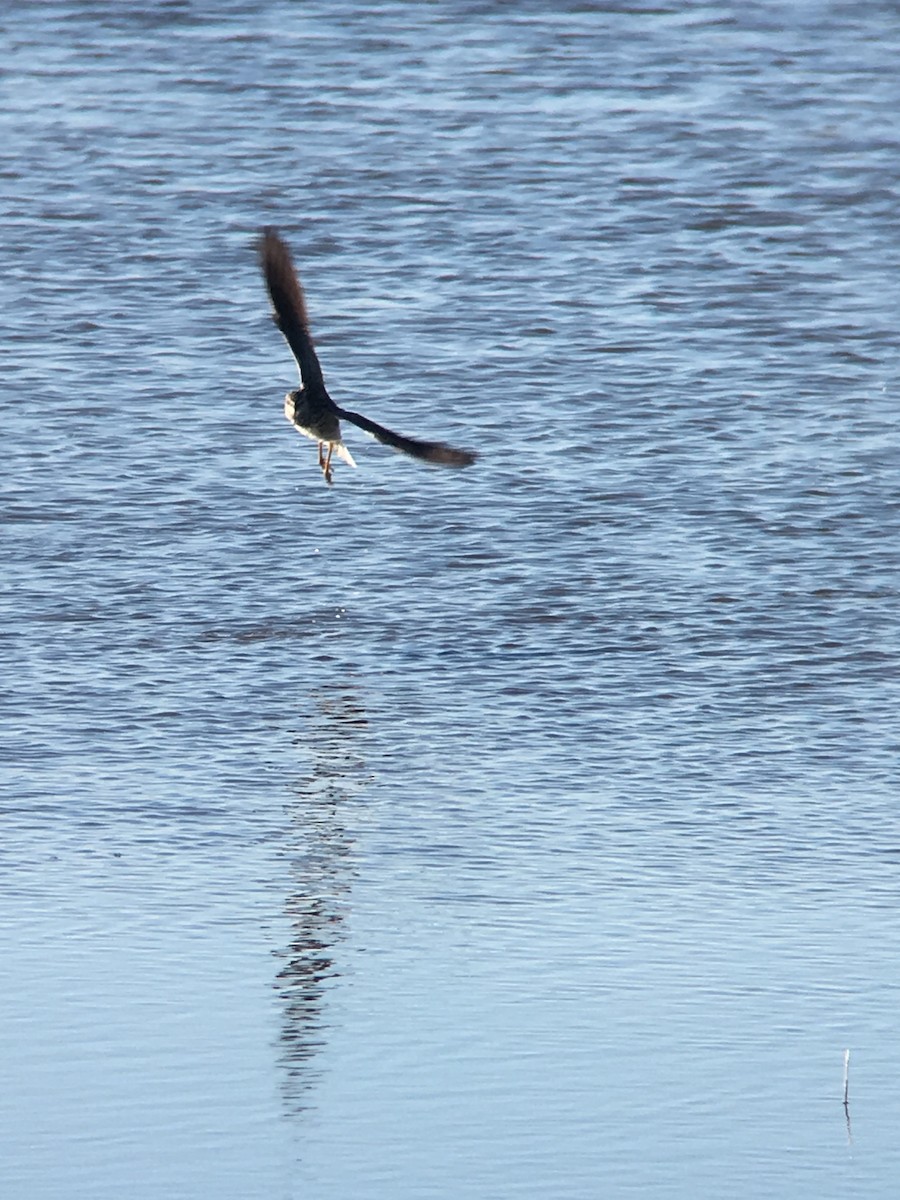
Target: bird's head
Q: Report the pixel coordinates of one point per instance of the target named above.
(290, 403)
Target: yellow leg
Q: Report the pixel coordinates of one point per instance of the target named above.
(326, 469)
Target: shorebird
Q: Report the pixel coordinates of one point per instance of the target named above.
(309, 408)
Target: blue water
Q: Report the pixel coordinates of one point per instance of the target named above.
(520, 832)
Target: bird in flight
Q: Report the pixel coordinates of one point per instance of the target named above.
(309, 408)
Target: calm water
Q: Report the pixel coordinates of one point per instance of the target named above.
(530, 831)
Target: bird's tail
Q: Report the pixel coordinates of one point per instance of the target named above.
(434, 452)
(342, 452)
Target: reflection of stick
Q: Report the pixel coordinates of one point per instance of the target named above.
(847, 1096)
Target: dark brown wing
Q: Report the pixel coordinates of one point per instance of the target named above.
(289, 305)
(434, 452)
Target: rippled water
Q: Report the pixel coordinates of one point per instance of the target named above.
(526, 831)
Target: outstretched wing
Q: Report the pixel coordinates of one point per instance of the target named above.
(289, 305)
(434, 452)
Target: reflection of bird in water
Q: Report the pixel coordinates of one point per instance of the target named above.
(309, 407)
(319, 845)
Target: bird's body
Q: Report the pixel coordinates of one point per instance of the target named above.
(318, 419)
(309, 408)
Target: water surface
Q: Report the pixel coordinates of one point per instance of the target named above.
(525, 831)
